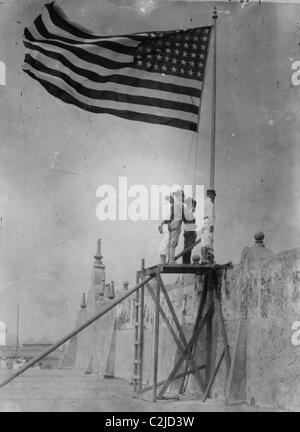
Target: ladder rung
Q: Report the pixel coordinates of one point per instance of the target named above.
(137, 361)
(137, 342)
(137, 324)
(136, 377)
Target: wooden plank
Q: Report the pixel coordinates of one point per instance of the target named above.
(199, 269)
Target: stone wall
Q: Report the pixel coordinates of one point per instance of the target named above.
(260, 302)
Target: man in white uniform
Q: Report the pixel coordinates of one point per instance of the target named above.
(207, 231)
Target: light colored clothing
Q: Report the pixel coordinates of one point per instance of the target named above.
(207, 237)
(165, 241)
(174, 234)
(209, 212)
(178, 210)
(166, 210)
(176, 222)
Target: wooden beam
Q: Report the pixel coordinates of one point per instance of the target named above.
(207, 391)
(79, 329)
(141, 319)
(182, 357)
(183, 351)
(182, 336)
(181, 375)
(156, 336)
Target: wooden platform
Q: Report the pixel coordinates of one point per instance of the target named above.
(197, 269)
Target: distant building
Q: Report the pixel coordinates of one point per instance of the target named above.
(30, 349)
(2, 333)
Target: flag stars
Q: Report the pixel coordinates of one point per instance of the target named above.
(174, 53)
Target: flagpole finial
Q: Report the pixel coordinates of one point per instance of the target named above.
(215, 13)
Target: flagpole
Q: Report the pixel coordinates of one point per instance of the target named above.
(214, 105)
(213, 115)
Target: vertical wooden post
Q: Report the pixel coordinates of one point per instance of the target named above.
(136, 337)
(18, 328)
(141, 319)
(156, 334)
(209, 329)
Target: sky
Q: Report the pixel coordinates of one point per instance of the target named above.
(50, 229)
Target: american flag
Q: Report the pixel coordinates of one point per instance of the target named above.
(154, 77)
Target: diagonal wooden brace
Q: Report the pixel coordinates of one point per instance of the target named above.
(218, 307)
(188, 354)
(166, 320)
(182, 357)
(182, 350)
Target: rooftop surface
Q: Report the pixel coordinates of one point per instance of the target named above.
(72, 391)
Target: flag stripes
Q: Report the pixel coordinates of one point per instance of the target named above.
(112, 75)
